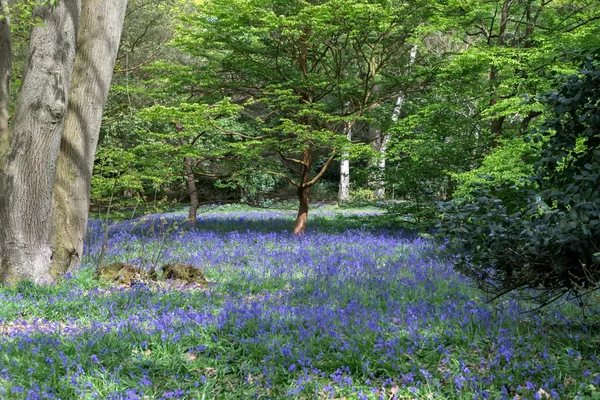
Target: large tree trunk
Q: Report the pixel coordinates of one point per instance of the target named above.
(5, 74)
(26, 184)
(344, 191)
(101, 23)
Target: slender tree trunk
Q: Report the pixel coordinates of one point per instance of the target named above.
(496, 125)
(379, 181)
(26, 184)
(192, 189)
(5, 74)
(302, 217)
(191, 183)
(344, 191)
(304, 193)
(101, 23)
(385, 140)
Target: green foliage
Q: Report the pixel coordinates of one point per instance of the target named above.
(299, 72)
(507, 165)
(433, 141)
(505, 173)
(549, 241)
(360, 195)
(114, 173)
(310, 68)
(139, 154)
(516, 48)
(258, 189)
(483, 59)
(154, 158)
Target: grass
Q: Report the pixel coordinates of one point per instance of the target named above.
(353, 309)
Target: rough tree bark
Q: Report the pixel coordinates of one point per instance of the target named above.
(27, 180)
(5, 75)
(45, 173)
(100, 27)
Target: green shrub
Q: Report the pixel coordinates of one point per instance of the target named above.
(550, 240)
(508, 166)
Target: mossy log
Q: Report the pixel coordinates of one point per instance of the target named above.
(188, 273)
(120, 272)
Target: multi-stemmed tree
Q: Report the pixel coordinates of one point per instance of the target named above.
(47, 146)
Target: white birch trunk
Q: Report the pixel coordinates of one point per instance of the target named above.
(27, 182)
(344, 191)
(385, 140)
(101, 24)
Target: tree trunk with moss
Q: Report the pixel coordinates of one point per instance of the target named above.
(48, 151)
(29, 164)
(101, 24)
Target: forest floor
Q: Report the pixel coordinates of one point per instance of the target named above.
(353, 309)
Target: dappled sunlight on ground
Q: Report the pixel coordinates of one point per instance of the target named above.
(356, 312)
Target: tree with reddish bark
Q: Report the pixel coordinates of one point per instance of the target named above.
(311, 70)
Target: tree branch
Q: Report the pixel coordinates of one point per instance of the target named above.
(147, 60)
(284, 176)
(322, 171)
(211, 123)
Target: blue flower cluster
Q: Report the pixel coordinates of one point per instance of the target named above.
(356, 313)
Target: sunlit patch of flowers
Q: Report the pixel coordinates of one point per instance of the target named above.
(357, 313)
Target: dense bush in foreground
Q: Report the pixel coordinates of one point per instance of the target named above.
(356, 313)
(547, 239)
